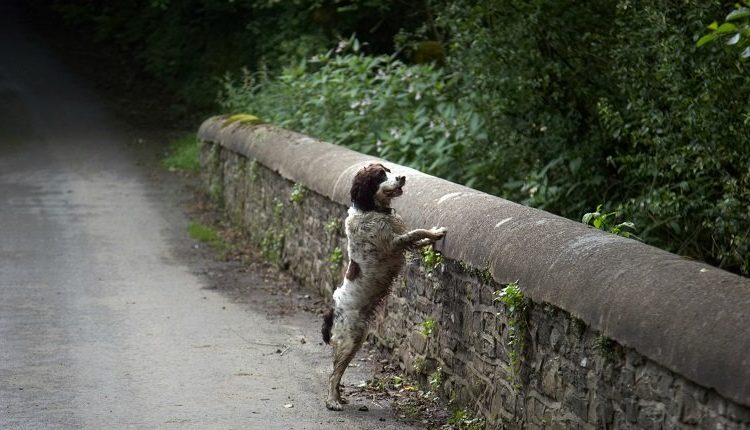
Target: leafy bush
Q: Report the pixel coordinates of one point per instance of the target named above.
(612, 101)
(374, 104)
(735, 29)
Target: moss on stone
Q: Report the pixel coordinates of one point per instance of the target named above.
(242, 118)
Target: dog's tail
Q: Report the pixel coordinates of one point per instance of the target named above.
(327, 325)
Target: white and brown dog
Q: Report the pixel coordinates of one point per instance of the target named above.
(377, 240)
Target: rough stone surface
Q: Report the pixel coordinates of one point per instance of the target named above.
(574, 372)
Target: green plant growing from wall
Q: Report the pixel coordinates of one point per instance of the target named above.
(216, 192)
(606, 348)
(278, 211)
(432, 259)
(429, 327)
(484, 275)
(298, 194)
(463, 419)
(435, 380)
(516, 312)
(418, 364)
(335, 259)
(272, 243)
(272, 246)
(333, 226)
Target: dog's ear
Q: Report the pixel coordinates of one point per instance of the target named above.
(365, 185)
(362, 193)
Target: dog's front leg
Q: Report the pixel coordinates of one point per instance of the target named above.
(416, 237)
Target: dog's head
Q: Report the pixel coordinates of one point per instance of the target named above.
(374, 187)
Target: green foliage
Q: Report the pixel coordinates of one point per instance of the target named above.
(395, 382)
(735, 30)
(611, 101)
(278, 211)
(435, 380)
(374, 104)
(205, 233)
(333, 226)
(183, 155)
(216, 192)
(605, 221)
(272, 246)
(516, 309)
(465, 420)
(335, 259)
(298, 194)
(432, 259)
(606, 348)
(429, 327)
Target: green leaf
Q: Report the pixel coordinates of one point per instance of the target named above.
(710, 37)
(713, 26)
(726, 28)
(738, 13)
(734, 39)
(746, 53)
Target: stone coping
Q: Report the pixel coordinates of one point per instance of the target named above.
(686, 315)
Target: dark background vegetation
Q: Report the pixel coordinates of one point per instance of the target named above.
(557, 104)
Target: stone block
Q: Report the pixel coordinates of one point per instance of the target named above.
(739, 413)
(418, 341)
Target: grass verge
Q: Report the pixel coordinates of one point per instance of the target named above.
(206, 234)
(182, 155)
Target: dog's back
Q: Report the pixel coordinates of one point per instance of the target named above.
(370, 244)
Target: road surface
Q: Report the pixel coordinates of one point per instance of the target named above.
(103, 325)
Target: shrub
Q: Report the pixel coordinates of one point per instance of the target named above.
(611, 101)
(374, 104)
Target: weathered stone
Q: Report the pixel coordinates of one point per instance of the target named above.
(418, 341)
(555, 338)
(738, 413)
(690, 412)
(551, 379)
(651, 415)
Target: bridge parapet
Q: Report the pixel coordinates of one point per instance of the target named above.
(616, 334)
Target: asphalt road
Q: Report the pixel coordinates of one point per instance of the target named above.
(102, 324)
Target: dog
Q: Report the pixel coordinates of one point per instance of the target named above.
(377, 238)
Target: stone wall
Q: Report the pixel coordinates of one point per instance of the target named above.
(537, 366)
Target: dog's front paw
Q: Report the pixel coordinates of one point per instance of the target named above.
(334, 405)
(439, 232)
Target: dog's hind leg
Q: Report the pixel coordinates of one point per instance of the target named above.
(343, 353)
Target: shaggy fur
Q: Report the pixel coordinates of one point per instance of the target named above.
(377, 240)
